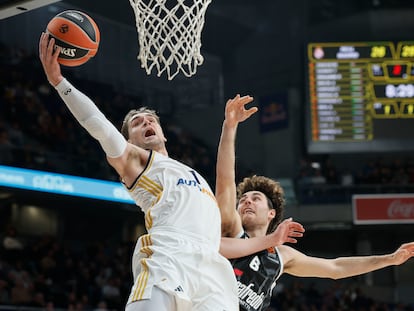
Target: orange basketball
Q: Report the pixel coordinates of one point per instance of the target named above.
(77, 34)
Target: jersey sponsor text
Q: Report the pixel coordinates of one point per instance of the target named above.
(248, 296)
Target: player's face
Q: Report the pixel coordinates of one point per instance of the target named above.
(254, 210)
(146, 132)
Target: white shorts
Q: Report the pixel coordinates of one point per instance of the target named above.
(185, 266)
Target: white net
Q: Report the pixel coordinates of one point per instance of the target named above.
(169, 35)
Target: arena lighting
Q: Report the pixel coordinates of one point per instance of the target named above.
(34, 180)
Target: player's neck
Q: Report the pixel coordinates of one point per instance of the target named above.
(256, 232)
(163, 151)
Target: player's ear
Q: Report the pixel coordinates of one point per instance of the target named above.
(163, 135)
(272, 213)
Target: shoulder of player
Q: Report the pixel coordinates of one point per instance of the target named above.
(288, 253)
(231, 224)
(131, 163)
(232, 228)
(134, 153)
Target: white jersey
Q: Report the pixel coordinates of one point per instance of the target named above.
(180, 253)
(173, 195)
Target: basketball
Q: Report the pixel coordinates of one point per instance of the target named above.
(77, 34)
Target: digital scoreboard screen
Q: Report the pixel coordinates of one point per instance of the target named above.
(360, 97)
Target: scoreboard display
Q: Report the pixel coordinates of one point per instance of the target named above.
(360, 97)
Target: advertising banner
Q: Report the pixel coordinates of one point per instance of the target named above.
(383, 208)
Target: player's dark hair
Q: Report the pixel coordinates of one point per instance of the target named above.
(273, 192)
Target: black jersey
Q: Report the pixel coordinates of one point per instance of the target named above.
(256, 276)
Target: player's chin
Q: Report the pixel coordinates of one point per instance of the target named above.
(150, 143)
(248, 219)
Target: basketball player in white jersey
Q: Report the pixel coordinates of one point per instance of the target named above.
(259, 209)
(177, 265)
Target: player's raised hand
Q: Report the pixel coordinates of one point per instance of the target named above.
(48, 56)
(403, 253)
(287, 232)
(236, 111)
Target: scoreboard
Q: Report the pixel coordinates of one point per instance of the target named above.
(360, 96)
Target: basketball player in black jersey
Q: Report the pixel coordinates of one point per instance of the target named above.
(260, 203)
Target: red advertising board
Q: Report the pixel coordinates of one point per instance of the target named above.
(383, 208)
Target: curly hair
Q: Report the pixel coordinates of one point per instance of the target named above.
(271, 189)
(129, 116)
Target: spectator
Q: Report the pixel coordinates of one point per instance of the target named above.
(21, 293)
(347, 179)
(38, 300)
(12, 245)
(111, 293)
(101, 306)
(50, 306)
(10, 241)
(317, 177)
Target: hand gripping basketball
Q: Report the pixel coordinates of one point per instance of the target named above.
(77, 35)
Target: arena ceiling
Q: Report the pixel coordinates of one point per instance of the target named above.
(230, 22)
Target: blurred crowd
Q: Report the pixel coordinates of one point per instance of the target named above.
(319, 182)
(381, 170)
(44, 273)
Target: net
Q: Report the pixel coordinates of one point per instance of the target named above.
(169, 35)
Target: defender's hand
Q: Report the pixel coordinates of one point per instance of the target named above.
(236, 111)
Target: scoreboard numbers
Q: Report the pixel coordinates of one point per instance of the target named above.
(355, 86)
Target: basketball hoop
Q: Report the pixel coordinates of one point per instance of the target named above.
(169, 35)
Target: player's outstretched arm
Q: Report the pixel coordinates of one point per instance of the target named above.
(81, 106)
(235, 112)
(287, 232)
(299, 264)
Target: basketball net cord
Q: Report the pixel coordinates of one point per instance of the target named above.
(169, 37)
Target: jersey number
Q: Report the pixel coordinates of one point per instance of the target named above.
(195, 177)
(255, 264)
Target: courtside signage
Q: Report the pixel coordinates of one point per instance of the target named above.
(383, 208)
(13, 177)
